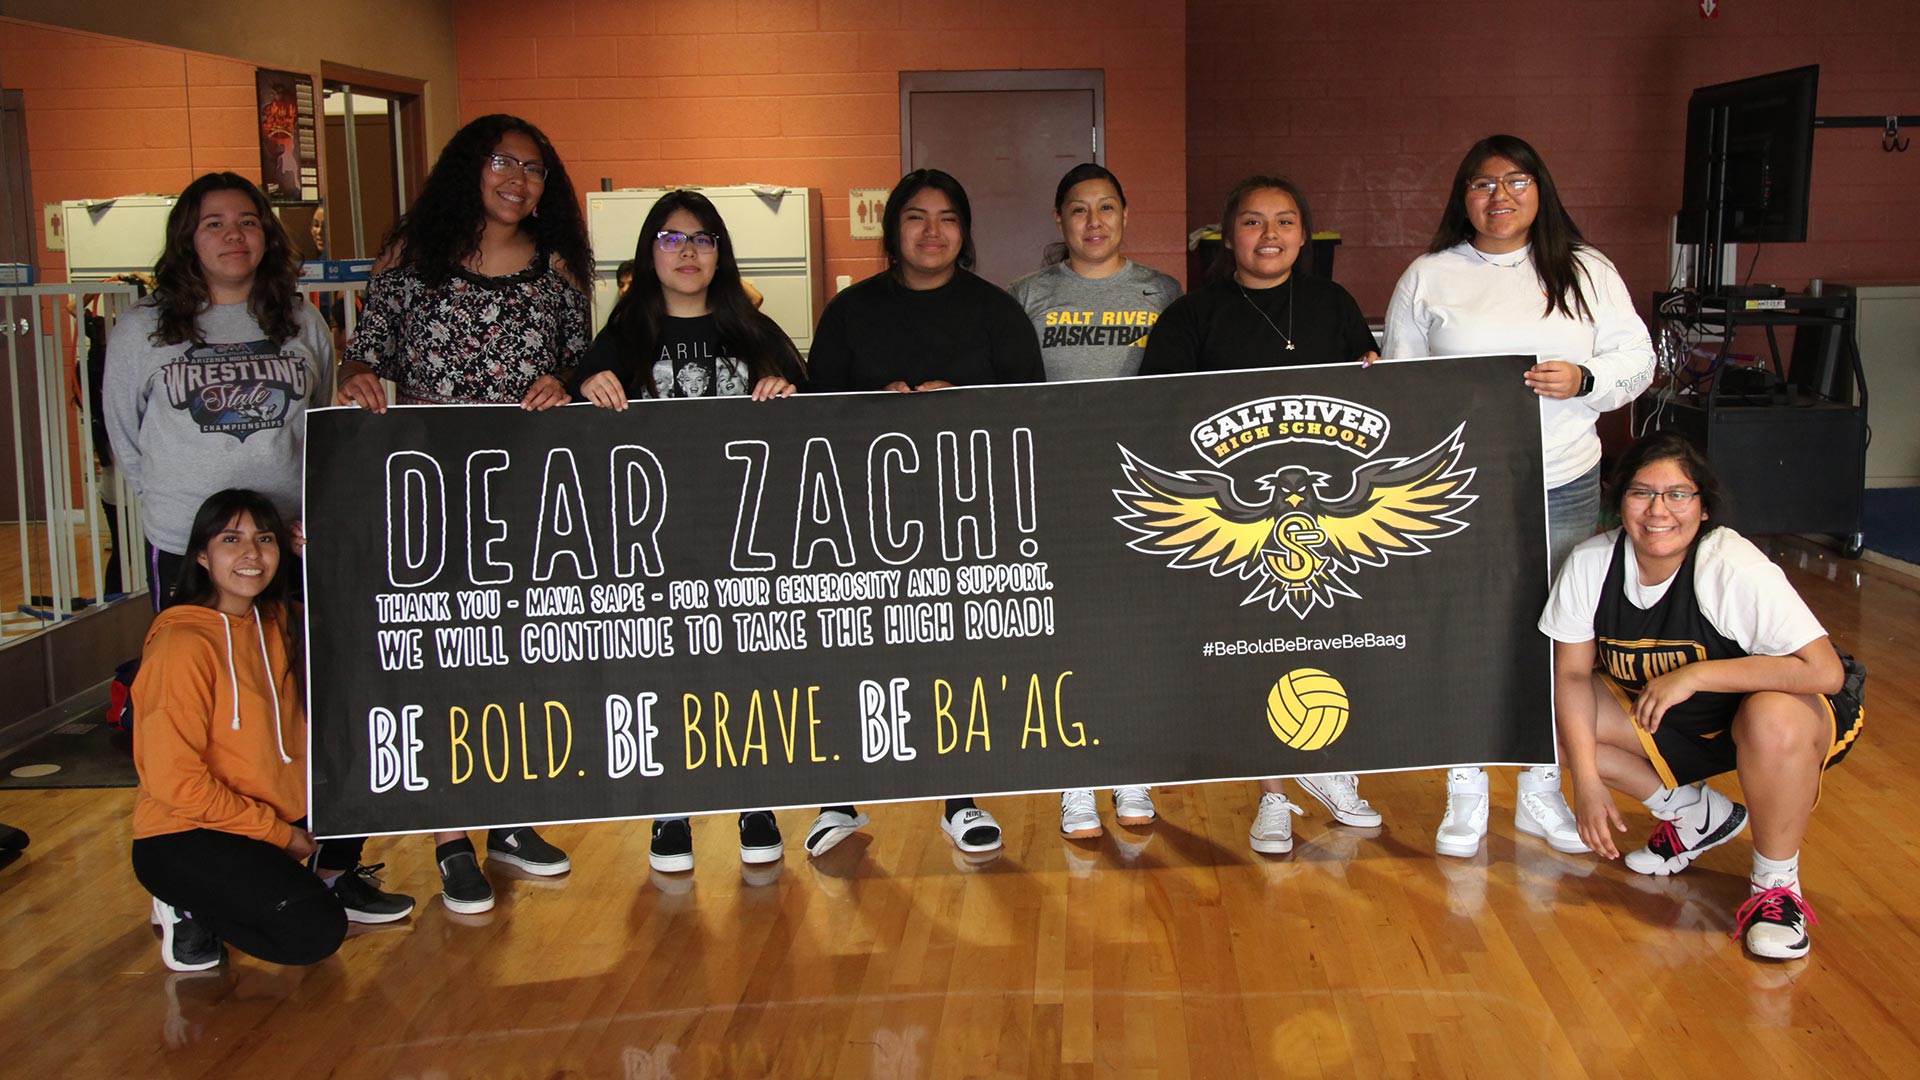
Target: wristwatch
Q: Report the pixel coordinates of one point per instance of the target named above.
(1586, 382)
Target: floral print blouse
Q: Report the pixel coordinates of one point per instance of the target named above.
(472, 338)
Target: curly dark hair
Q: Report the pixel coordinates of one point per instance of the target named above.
(180, 287)
(637, 318)
(442, 231)
(1553, 237)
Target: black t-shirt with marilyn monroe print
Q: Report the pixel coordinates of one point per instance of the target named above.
(689, 360)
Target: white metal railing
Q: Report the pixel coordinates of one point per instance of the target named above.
(49, 418)
(48, 427)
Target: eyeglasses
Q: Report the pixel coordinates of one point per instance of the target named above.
(672, 242)
(506, 163)
(1515, 183)
(1675, 498)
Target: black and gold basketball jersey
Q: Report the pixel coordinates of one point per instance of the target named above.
(1636, 647)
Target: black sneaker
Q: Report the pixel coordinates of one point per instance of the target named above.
(359, 892)
(463, 888)
(185, 945)
(672, 850)
(522, 847)
(759, 837)
(12, 839)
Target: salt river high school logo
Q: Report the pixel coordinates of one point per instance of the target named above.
(1299, 544)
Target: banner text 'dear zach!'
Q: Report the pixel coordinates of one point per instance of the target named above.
(713, 605)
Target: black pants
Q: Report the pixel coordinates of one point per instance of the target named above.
(246, 891)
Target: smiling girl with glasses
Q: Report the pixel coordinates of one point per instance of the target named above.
(1509, 272)
(477, 298)
(1680, 653)
(686, 326)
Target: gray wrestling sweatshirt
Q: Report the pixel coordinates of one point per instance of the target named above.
(189, 420)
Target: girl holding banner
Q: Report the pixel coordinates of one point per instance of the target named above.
(477, 297)
(1262, 310)
(685, 327)
(219, 822)
(924, 323)
(1759, 688)
(1092, 310)
(1509, 272)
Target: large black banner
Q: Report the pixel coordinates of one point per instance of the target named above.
(721, 604)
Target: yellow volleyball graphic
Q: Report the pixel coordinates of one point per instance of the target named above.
(1307, 708)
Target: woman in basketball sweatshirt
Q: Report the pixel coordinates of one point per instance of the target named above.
(220, 746)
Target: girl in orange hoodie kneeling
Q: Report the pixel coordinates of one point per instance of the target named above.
(219, 827)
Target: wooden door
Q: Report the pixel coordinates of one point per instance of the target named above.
(1008, 136)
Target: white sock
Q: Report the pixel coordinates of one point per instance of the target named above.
(1668, 804)
(328, 877)
(1769, 873)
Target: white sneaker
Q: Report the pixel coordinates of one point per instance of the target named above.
(1133, 806)
(1710, 821)
(1774, 920)
(1341, 794)
(973, 829)
(1272, 832)
(1542, 811)
(829, 828)
(1466, 818)
(1078, 816)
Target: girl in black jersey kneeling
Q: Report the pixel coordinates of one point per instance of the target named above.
(1680, 653)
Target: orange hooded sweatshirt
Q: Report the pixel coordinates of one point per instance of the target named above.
(220, 738)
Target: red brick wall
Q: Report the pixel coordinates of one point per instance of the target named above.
(807, 92)
(109, 117)
(1369, 107)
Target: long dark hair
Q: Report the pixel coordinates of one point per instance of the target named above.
(442, 231)
(909, 186)
(1223, 265)
(752, 337)
(194, 586)
(1668, 446)
(1057, 251)
(180, 288)
(1553, 237)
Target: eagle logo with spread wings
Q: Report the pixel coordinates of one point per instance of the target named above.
(1299, 544)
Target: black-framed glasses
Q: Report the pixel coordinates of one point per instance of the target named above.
(506, 163)
(1515, 183)
(673, 242)
(1675, 498)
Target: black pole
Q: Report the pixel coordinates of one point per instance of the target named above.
(1716, 223)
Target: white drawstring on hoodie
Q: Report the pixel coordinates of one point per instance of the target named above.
(273, 689)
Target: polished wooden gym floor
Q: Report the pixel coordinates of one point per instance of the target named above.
(1169, 951)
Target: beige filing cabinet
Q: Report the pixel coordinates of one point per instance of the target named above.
(778, 239)
(1889, 331)
(114, 236)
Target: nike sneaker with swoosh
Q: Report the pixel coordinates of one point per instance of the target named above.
(1774, 920)
(1711, 821)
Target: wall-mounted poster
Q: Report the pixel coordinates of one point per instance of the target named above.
(289, 141)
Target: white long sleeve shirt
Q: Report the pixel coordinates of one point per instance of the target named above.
(1457, 303)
